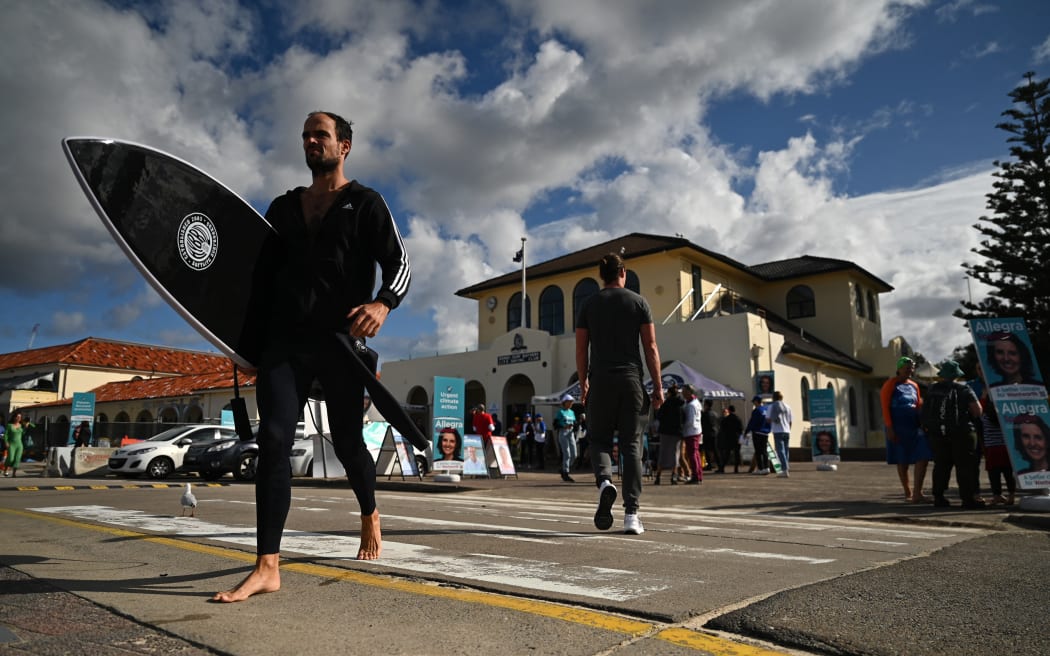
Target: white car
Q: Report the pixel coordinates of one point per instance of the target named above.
(162, 454)
(302, 457)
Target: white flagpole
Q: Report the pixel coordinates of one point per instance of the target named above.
(524, 321)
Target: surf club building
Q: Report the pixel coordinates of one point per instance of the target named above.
(792, 325)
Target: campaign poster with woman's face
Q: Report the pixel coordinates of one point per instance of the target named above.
(1026, 431)
(1005, 353)
(825, 444)
(764, 384)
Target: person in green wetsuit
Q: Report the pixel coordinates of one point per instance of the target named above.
(13, 439)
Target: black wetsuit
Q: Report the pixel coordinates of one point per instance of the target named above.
(320, 274)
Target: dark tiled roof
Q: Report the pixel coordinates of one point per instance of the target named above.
(798, 342)
(634, 245)
(94, 352)
(808, 265)
(638, 244)
(162, 388)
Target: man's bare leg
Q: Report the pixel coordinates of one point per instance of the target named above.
(266, 577)
(371, 537)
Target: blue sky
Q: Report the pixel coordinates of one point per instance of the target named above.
(862, 130)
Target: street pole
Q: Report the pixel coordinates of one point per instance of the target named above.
(523, 315)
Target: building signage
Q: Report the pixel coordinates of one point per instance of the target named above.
(518, 358)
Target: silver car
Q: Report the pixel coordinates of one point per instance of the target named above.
(162, 454)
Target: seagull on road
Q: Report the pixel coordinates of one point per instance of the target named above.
(189, 501)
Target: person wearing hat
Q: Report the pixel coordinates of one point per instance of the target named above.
(906, 443)
(539, 436)
(527, 437)
(949, 417)
(759, 428)
(565, 425)
(483, 423)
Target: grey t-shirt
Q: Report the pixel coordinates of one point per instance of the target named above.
(613, 318)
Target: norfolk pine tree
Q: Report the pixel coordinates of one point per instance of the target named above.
(1015, 250)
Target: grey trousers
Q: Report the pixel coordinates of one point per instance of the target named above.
(615, 420)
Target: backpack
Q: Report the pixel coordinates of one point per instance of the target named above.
(943, 414)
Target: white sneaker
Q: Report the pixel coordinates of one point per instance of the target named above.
(603, 519)
(763, 472)
(632, 525)
(782, 474)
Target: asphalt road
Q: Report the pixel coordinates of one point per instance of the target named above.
(823, 562)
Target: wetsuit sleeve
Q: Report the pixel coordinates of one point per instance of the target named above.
(391, 255)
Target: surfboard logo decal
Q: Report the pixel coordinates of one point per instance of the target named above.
(198, 241)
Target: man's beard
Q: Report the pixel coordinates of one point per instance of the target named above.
(322, 166)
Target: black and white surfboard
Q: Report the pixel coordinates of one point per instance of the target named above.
(201, 246)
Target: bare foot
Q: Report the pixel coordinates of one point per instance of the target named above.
(371, 537)
(266, 577)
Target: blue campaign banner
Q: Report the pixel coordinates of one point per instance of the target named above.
(1004, 350)
(83, 410)
(227, 418)
(449, 410)
(1015, 385)
(822, 417)
(822, 406)
(1026, 431)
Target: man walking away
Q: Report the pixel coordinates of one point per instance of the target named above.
(608, 330)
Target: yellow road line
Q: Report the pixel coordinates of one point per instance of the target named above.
(714, 644)
(591, 618)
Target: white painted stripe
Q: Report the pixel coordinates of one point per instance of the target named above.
(680, 517)
(551, 577)
(880, 542)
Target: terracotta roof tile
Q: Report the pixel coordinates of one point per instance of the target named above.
(160, 388)
(95, 352)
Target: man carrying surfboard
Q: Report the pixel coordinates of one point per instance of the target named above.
(332, 235)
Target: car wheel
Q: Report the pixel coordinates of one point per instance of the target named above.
(421, 464)
(161, 467)
(246, 467)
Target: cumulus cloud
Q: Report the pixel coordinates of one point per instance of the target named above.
(598, 105)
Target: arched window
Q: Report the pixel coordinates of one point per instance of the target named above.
(144, 416)
(805, 398)
(800, 302)
(632, 282)
(514, 312)
(584, 289)
(122, 417)
(852, 406)
(873, 309)
(858, 294)
(552, 310)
